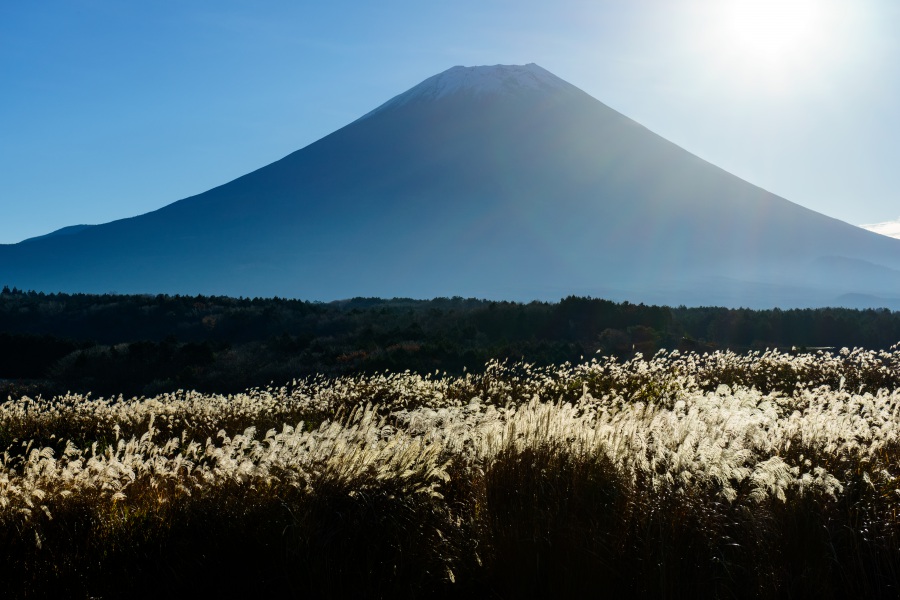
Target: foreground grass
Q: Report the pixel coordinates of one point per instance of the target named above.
(762, 475)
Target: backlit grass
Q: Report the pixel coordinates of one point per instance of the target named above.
(684, 475)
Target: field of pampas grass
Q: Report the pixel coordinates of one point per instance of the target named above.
(766, 475)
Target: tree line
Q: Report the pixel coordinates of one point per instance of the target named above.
(145, 344)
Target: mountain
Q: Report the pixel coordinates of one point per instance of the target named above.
(501, 182)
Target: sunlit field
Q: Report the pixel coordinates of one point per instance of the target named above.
(678, 476)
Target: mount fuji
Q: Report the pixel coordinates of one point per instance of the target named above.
(500, 182)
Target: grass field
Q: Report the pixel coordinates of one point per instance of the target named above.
(679, 476)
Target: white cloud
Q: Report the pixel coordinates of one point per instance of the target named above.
(888, 228)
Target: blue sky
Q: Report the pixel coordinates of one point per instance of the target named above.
(111, 109)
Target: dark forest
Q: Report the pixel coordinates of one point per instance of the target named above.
(142, 344)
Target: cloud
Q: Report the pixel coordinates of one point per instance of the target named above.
(888, 228)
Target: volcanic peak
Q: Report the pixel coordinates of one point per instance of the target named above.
(480, 81)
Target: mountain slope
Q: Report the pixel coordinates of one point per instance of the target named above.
(502, 182)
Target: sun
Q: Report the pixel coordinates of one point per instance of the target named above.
(772, 30)
(772, 40)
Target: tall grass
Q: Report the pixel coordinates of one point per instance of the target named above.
(684, 475)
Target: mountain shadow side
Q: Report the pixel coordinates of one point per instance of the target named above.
(498, 182)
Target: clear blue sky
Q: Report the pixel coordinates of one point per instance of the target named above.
(111, 109)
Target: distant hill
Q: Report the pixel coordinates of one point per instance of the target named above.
(71, 229)
(500, 182)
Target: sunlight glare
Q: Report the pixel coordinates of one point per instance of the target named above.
(774, 41)
(773, 30)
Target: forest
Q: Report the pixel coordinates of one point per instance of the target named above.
(142, 344)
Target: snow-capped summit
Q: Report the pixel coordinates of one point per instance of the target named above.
(480, 81)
